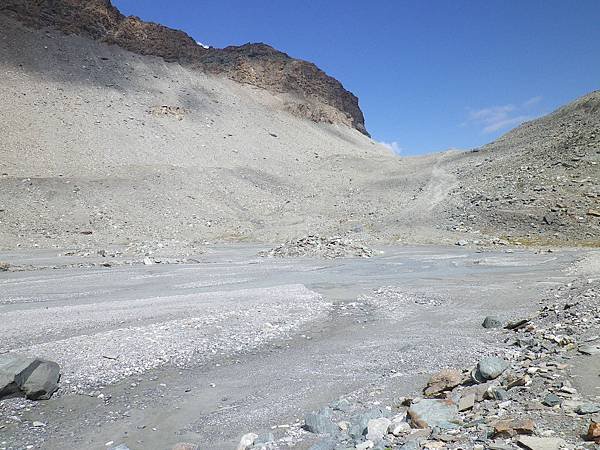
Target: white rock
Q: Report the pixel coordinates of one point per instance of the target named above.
(399, 428)
(247, 441)
(39, 424)
(377, 428)
(365, 445)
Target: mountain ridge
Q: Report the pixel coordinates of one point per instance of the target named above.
(318, 96)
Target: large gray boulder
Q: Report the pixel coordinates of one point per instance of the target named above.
(35, 378)
(320, 422)
(489, 368)
(434, 413)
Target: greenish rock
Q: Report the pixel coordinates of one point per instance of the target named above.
(551, 400)
(490, 368)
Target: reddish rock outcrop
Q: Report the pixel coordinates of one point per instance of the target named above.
(319, 97)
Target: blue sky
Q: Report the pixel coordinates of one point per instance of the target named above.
(430, 74)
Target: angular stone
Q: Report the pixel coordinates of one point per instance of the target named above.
(36, 378)
(551, 400)
(490, 368)
(360, 422)
(42, 382)
(496, 393)
(14, 370)
(444, 380)
(540, 443)
(491, 322)
(434, 413)
(377, 428)
(512, 427)
(466, 402)
(517, 325)
(320, 422)
(588, 408)
(399, 428)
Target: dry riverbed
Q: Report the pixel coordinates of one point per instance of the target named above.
(229, 342)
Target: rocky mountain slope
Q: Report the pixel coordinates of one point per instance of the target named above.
(539, 182)
(315, 95)
(103, 145)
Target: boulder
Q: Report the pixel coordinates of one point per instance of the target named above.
(491, 322)
(466, 402)
(377, 428)
(430, 413)
(361, 422)
(35, 378)
(320, 422)
(43, 381)
(14, 370)
(442, 381)
(489, 368)
(512, 427)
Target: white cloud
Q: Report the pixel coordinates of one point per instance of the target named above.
(496, 118)
(202, 45)
(393, 146)
(532, 101)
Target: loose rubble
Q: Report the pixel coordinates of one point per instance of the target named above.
(521, 398)
(320, 247)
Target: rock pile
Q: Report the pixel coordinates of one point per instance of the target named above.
(34, 378)
(320, 247)
(523, 397)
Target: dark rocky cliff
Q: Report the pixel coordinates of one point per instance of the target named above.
(319, 97)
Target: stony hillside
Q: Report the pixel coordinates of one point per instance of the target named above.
(539, 183)
(315, 95)
(103, 145)
(99, 140)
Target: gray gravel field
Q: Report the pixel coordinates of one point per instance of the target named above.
(205, 352)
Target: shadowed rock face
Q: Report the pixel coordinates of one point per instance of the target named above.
(320, 97)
